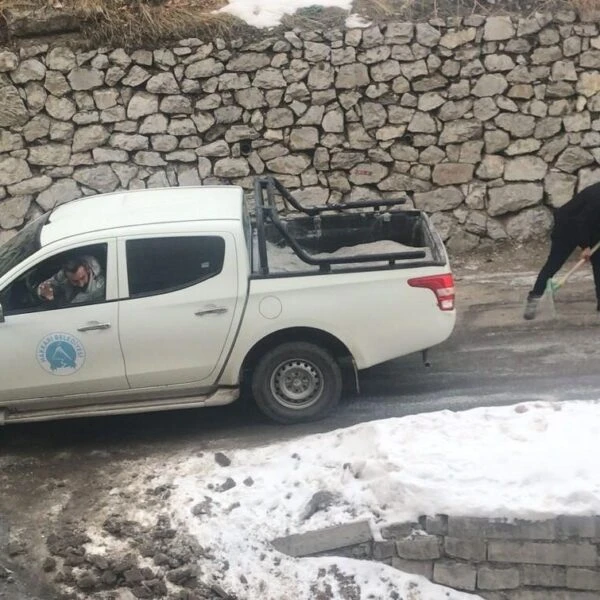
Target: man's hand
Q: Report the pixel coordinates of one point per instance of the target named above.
(586, 253)
(46, 291)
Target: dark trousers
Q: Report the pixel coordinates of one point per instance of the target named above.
(561, 248)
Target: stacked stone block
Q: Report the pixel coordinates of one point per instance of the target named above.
(498, 559)
(487, 123)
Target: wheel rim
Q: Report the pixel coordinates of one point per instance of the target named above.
(297, 383)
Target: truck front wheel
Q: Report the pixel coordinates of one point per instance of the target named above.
(297, 382)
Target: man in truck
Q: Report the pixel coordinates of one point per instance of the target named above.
(80, 280)
(576, 224)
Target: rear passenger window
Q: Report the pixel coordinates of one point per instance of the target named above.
(159, 265)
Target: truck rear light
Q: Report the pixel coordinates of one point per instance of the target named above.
(441, 285)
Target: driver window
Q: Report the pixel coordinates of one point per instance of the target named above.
(70, 278)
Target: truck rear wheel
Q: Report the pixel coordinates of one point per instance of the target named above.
(296, 382)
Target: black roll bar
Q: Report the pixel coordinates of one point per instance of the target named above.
(266, 210)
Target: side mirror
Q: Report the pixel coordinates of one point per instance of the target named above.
(1, 314)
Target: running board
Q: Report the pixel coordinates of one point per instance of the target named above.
(219, 398)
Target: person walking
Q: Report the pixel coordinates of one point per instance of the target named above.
(576, 224)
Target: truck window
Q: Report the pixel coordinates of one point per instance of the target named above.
(22, 245)
(23, 294)
(166, 264)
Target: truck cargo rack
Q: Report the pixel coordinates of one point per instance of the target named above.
(265, 191)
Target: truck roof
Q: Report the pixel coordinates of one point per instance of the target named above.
(143, 207)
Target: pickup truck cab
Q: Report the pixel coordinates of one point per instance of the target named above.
(196, 299)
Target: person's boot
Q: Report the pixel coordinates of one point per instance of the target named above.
(531, 307)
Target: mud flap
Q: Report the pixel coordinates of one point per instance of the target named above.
(356, 380)
(425, 355)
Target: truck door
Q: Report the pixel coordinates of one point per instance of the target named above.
(51, 349)
(178, 299)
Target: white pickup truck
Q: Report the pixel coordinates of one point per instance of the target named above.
(193, 296)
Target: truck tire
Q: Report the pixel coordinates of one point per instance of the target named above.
(297, 382)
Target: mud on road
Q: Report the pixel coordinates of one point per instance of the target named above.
(58, 504)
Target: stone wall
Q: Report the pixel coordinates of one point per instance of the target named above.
(488, 121)
(554, 559)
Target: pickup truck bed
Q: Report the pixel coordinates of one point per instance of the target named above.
(364, 281)
(358, 235)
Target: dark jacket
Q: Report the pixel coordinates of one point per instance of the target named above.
(579, 218)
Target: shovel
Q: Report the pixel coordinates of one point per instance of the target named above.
(554, 285)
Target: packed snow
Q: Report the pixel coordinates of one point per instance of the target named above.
(283, 259)
(355, 21)
(529, 461)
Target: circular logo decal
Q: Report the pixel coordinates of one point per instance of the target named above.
(61, 354)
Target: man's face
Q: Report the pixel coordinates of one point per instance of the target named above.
(79, 278)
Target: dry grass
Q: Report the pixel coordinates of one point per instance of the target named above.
(420, 10)
(588, 9)
(141, 23)
(136, 23)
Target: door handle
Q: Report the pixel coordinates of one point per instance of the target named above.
(214, 310)
(94, 327)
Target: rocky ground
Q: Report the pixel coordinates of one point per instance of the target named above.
(148, 560)
(157, 562)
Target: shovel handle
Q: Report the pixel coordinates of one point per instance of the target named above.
(578, 264)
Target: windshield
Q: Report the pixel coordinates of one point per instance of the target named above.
(22, 245)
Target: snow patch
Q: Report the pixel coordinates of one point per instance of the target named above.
(529, 461)
(356, 21)
(261, 13)
(282, 259)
